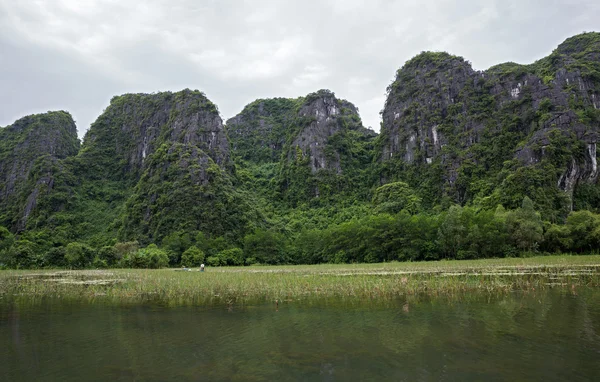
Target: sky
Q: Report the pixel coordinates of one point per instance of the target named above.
(75, 55)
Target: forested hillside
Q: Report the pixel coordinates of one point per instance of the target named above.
(468, 164)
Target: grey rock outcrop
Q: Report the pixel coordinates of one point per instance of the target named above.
(326, 116)
(440, 110)
(30, 150)
(310, 138)
(134, 126)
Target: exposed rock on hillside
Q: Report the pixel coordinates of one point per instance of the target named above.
(462, 127)
(168, 150)
(135, 125)
(259, 133)
(325, 116)
(29, 152)
(150, 165)
(318, 141)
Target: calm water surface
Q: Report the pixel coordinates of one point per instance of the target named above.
(548, 336)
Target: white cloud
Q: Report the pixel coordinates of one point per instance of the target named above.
(311, 75)
(76, 54)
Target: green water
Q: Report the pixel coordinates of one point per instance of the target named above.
(547, 336)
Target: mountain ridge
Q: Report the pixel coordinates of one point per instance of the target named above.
(163, 168)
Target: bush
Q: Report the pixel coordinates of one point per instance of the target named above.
(109, 255)
(126, 248)
(99, 263)
(22, 254)
(251, 261)
(6, 239)
(78, 255)
(192, 257)
(214, 261)
(231, 256)
(149, 257)
(55, 256)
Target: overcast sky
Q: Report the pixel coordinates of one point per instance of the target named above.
(76, 54)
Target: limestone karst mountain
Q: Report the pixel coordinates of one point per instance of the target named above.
(497, 135)
(163, 168)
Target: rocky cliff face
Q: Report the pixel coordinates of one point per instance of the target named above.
(149, 165)
(167, 150)
(30, 150)
(134, 126)
(311, 138)
(324, 117)
(442, 114)
(157, 164)
(258, 134)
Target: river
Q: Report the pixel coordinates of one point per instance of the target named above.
(552, 335)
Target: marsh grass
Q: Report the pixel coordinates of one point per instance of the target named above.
(281, 284)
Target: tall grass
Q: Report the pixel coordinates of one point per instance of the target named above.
(289, 283)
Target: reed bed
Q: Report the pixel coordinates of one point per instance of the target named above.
(280, 284)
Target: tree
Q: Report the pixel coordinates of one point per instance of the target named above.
(192, 257)
(79, 255)
(55, 256)
(125, 249)
(175, 244)
(581, 226)
(267, 247)
(525, 226)
(149, 257)
(557, 238)
(109, 255)
(22, 254)
(452, 232)
(395, 197)
(6, 239)
(232, 256)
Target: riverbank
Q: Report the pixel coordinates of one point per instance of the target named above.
(289, 283)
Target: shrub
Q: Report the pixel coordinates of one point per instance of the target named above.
(99, 263)
(22, 254)
(78, 255)
(214, 261)
(109, 255)
(231, 256)
(192, 257)
(126, 248)
(149, 257)
(55, 256)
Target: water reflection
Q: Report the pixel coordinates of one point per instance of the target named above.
(552, 335)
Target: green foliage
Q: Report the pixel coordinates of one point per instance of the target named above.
(232, 256)
(474, 174)
(525, 226)
(583, 229)
(124, 249)
(192, 257)
(55, 257)
(215, 261)
(395, 197)
(266, 246)
(6, 239)
(22, 254)
(109, 256)
(175, 244)
(451, 232)
(261, 130)
(149, 257)
(79, 255)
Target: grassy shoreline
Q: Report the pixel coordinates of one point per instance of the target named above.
(233, 285)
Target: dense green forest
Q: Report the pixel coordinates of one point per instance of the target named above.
(467, 164)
